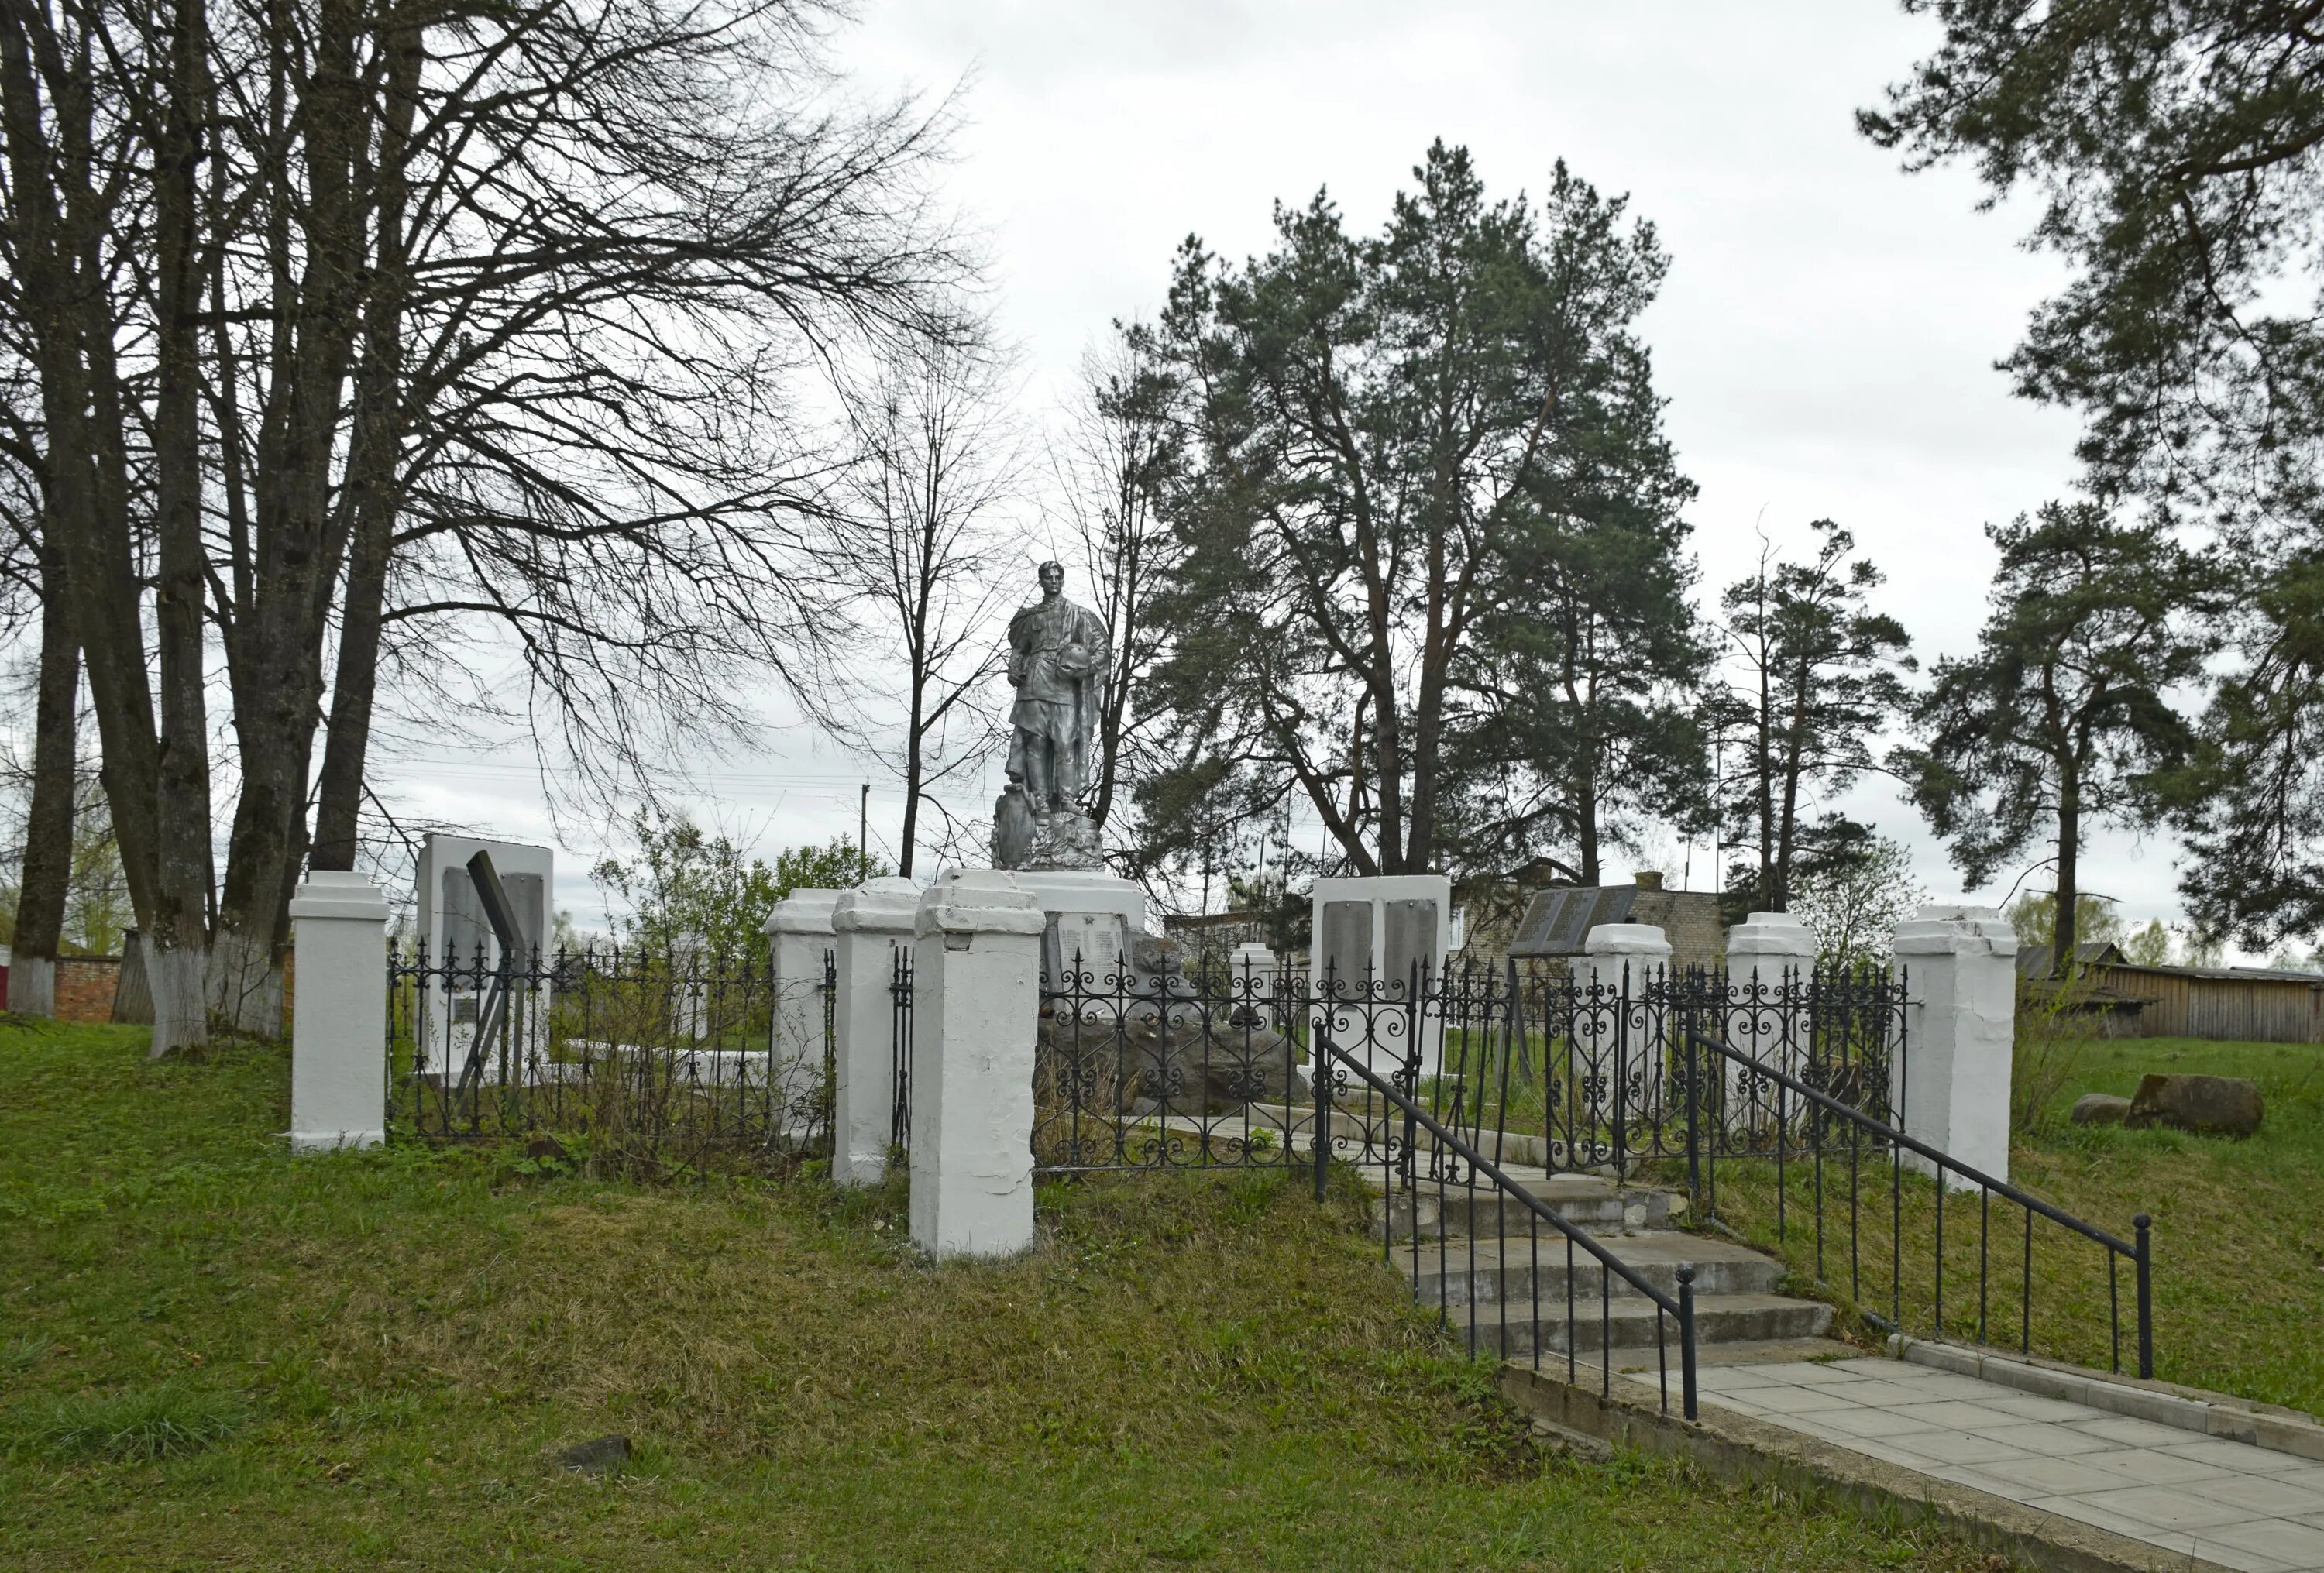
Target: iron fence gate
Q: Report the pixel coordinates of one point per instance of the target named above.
(657, 1060)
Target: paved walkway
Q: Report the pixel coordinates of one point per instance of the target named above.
(2231, 1503)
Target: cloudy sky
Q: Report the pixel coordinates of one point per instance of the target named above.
(1826, 337)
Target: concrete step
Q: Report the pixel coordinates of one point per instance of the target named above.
(1431, 1208)
(1632, 1324)
(1523, 1273)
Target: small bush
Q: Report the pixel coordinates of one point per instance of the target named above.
(144, 1423)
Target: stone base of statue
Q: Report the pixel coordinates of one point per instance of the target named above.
(1065, 838)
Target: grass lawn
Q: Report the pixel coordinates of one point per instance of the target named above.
(212, 1355)
(2238, 1226)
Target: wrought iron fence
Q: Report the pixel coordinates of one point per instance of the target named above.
(1152, 1065)
(899, 996)
(1874, 1200)
(663, 1062)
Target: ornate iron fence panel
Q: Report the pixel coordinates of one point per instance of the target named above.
(1141, 1065)
(661, 1062)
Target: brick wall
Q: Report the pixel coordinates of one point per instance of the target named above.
(1688, 919)
(84, 986)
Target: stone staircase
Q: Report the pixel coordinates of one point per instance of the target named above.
(1503, 1280)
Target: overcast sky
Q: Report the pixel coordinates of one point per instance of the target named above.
(1826, 338)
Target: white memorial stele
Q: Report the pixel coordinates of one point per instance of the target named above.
(1371, 932)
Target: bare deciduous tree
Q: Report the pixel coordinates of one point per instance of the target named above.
(939, 459)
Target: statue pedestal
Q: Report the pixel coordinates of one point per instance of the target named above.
(1092, 914)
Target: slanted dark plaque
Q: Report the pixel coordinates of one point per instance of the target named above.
(1557, 923)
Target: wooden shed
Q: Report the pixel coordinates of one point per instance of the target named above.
(2237, 1004)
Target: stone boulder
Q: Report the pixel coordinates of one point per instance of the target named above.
(2220, 1106)
(2100, 1109)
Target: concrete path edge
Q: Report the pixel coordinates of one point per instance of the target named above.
(1738, 1447)
(2191, 1409)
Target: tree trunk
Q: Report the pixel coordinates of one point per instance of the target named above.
(911, 781)
(374, 486)
(275, 645)
(47, 864)
(177, 939)
(2063, 936)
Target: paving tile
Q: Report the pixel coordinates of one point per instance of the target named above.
(1961, 1447)
(2164, 1506)
(2034, 1406)
(2148, 1467)
(2263, 1493)
(2024, 1479)
(1952, 1414)
(2128, 1431)
(1800, 1400)
(1895, 1393)
(2234, 1557)
(2051, 1442)
(2239, 1456)
(1733, 1376)
(1860, 1422)
(2296, 1545)
(1821, 1373)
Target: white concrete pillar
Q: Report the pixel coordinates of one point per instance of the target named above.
(1617, 1050)
(1960, 1025)
(798, 936)
(338, 1025)
(1770, 955)
(868, 925)
(976, 1009)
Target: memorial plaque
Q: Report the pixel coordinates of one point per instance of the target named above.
(1411, 943)
(1346, 951)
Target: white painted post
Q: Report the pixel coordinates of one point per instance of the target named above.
(799, 935)
(1960, 1029)
(338, 1025)
(1765, 954)
(1610, 952)
(975, 1011)
(869, 924)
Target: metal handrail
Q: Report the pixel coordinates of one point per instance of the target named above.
(1681, 1308)
(2141, 1254)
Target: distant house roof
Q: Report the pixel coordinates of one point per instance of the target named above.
(2231, 974)
(2034, 961)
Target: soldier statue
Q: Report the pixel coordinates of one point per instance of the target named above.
(1056, 655)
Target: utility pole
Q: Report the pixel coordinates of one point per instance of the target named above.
(863, 835)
